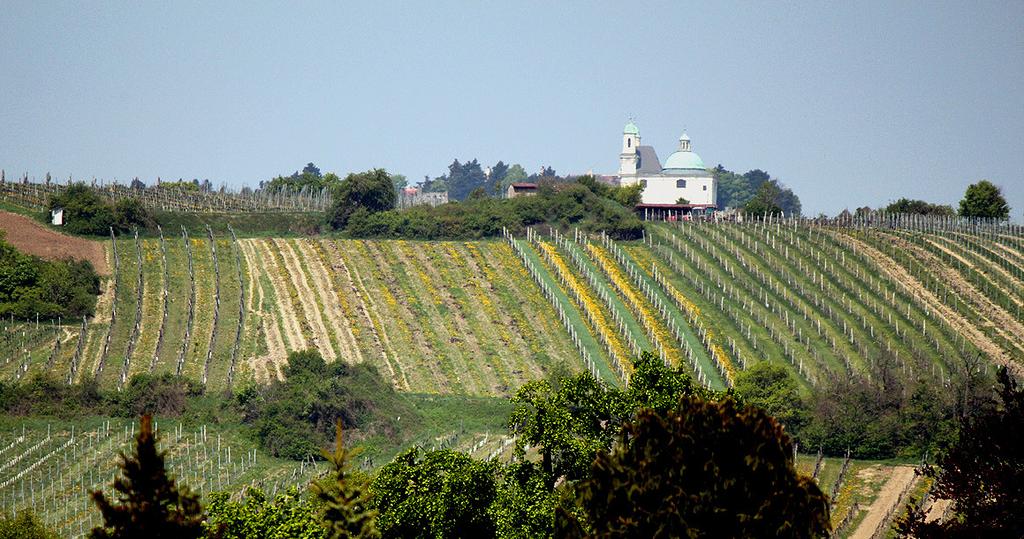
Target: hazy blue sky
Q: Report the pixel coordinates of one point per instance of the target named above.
(848, 103)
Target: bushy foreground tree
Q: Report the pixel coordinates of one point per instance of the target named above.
(289, 514)
(982, 473)
(703, 469)
(345, 496)
(435, 494)
(147, 503)
(24, 526)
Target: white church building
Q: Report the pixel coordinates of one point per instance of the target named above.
(682, 182)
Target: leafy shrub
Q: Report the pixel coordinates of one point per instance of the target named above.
(435, 494)
(295, 418)
(31, 286)
(88, 213)
(367, 192)
(906, 205)
(24, 526)
(160, 395)
(43, 394)
(564, 206)
(286, 515)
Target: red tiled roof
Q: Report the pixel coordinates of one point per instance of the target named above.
(674, 206)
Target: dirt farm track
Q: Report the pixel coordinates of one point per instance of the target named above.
(31, 237)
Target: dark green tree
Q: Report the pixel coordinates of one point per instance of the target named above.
(569, 421)
(772, 388)
(345, 497)
(31, 286)
(705, 469)
(295, 418)
(148, 502)
(372, 191)
(982, 473)
(85, 211)
(464, 178)
(984, 199)
(920, 207)
(130, 213)
(436, 494)
(736, 190)
(515, 174)
(656, 386)
(311, 170)
(287, 515)
(497, 177)
(399, 181)
(766, 201)
(524, 505)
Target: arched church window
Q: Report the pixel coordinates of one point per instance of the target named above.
(680, 184)
(629, 143)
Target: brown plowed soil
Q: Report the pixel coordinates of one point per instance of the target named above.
(33, 238)
(899, 480)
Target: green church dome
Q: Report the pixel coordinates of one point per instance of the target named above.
(630, 129)
(683, 160)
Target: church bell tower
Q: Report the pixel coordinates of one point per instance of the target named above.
(629, 159)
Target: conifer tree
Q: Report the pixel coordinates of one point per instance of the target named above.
(345, 498)
(148, 502)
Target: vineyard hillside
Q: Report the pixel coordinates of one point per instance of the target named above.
(483, 317)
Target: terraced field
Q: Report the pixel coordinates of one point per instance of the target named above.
(481, 318)
(450, 318)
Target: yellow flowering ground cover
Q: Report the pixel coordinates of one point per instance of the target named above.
(591, 307)
(656, 328)
(532, 317)
(152, 306)
(714, 345)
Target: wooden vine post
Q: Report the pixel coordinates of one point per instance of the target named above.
(113, 307)
(164, 300)
(241, 307)
(191, 302)
(216, 304)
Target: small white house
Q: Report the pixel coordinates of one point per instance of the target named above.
(57, 216)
